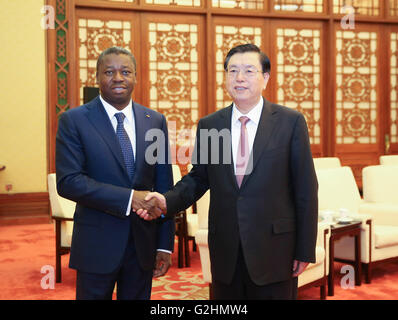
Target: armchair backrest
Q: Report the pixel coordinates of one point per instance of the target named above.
(380, 183)
(389, 160)
(202, 208)
(326, 163)
(338, 189)
(60, 207)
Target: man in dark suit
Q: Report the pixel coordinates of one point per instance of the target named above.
(101, 165)
(263, 204)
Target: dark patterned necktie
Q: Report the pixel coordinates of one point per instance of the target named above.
(125, 144)
(242, 157)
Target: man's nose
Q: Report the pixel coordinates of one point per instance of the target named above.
(117, 76)
(240, 76)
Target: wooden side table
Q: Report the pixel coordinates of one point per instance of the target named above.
(338, 231)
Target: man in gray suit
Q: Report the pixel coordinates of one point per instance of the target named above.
(263, 204)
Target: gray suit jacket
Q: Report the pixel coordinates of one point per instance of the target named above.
(273, 214)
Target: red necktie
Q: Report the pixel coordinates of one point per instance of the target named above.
(242, 157)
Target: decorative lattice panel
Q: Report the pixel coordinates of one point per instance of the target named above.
(227, 37)
(312, 6)
(62, 61)
(299, 74)
(174, 75)
(363, 7)
(186, 3)
(394, 88)
(356, 81)
(94, 37)
(239, 4)
(393, 8)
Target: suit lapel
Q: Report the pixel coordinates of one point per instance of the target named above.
(263, 135)
(142, 125)
(100, 120)
(225, 123)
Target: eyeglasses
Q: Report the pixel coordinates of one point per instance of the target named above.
(247, 73)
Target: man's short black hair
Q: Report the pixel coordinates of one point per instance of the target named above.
(116, 50)
(249, 47)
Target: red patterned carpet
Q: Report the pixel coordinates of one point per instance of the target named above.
(26, 250)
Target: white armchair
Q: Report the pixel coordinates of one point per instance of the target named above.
(314, 275)
(62, 211)
(378, 211)
(380, 185)
(326, 162)
(389, 160)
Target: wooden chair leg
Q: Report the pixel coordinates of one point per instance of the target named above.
(368, 271)
(58, 251)
(211, 292)
(186, 245)
(323, 291)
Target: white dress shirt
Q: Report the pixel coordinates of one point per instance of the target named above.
(129, 126)
(251, 126)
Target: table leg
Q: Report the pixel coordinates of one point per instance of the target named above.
(331, 268)
(358, 264)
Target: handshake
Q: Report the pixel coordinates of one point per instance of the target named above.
(148, 205)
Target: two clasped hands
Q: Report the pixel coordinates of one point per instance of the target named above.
(148, 205)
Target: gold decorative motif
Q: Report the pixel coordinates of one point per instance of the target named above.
(362, 7)
(394, 87)
(311, 6)
(174, 75)
(356, 77)
(298, 79)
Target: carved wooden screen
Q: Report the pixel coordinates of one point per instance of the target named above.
(239, 4)
(227, 35)
(172, 52)
(298, 72)
(392, 140)
(357, 103)
(311, 6)
(362, 7)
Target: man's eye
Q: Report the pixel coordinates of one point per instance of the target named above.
(233, 71)
(108, 73)
(126, 72)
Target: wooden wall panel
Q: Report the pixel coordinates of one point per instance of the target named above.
(298, 69)
(347, 88)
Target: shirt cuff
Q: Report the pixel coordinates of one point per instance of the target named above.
(164, 250)
(129, 204)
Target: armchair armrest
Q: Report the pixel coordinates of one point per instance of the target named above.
(382, 213)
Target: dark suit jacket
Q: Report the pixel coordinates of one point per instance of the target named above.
(274, 213)
(90, 171)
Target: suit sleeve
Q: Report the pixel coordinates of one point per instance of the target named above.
(163, 183)
(193, 185)
(73, 181)
(305, 189)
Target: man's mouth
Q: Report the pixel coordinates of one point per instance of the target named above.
(239, 88)
(118, 89)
